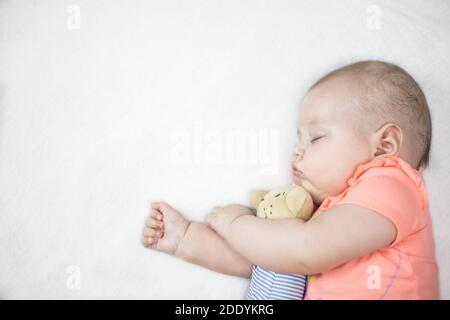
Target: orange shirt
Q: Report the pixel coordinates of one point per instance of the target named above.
(405, 269)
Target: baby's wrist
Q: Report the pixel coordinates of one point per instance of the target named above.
(179, 250)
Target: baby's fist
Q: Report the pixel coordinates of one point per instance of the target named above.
(220, 218)
(164, 228)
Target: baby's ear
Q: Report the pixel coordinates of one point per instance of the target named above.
(388, 140)
(255, 197)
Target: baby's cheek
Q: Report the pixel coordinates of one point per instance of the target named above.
(334, 185)
(321, 179)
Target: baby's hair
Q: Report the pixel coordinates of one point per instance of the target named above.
(391, 93)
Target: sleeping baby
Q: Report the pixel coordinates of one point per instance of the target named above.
(364, 135)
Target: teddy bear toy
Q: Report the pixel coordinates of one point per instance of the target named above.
(281, 203)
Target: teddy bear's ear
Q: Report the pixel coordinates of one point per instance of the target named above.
(255, 197)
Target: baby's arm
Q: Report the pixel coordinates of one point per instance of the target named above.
(331, 238)
(203, 246)
(166, 230)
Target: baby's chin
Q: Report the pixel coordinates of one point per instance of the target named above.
(295, 180)
(317, 199)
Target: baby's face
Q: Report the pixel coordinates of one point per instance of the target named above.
(332, 140)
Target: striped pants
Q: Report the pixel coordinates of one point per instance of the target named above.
(269, 285)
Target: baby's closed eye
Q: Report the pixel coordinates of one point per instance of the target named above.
(316, 139)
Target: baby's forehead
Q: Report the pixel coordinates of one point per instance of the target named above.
(314, 122)
(329, 103)
(324, 116)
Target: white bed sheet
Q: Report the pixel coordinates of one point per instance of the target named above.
(91, 112)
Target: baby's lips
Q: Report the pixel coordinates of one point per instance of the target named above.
(296, 172)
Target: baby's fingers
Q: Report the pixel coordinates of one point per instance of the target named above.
(152, 233)
(155, 214)
(150, 237)
(161, 206)
(148, 241)
(152, 223)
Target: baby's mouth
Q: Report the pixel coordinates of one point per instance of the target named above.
(297, 173)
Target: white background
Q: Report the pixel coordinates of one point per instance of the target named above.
(89, 111)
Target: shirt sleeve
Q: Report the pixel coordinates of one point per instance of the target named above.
(391, 193)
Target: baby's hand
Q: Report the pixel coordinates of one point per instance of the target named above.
(164, 228)
(220, 218)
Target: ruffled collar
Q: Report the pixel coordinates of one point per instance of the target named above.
(384, 161)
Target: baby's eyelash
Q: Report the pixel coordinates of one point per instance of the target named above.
(315, 139)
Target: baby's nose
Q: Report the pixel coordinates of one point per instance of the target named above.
(298, 151)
